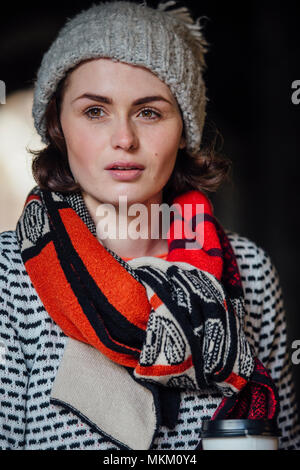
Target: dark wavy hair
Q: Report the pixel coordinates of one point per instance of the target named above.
(204, 171)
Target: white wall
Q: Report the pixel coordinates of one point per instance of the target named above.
(16, 133)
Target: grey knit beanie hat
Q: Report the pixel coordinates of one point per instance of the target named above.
(166, 41)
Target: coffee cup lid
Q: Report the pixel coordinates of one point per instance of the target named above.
(239, 427)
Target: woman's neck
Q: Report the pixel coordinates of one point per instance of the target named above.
(128, 236)
(136, 248)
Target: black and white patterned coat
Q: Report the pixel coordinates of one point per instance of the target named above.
(32, 346)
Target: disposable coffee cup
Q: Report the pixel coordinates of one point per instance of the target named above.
(240, 434)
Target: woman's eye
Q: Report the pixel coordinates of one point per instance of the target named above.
(93, 113)
(148, 113)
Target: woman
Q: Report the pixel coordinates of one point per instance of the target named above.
(116, 342)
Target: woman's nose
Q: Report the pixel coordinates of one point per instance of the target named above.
(124, 136)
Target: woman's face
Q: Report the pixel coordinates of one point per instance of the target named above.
(115, 112)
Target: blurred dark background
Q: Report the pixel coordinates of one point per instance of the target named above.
(252, 61)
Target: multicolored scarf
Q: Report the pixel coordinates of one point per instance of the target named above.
(173, 324)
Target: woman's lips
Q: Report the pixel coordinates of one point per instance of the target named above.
(125, 175)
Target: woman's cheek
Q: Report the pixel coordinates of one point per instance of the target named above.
(79, 144)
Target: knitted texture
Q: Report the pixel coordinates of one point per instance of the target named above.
(167, 42)
(34, 345)
(155, 325)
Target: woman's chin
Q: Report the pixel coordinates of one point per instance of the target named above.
(129, 196)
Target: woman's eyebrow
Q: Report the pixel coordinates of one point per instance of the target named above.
(105, 99)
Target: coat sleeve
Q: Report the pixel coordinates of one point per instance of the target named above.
(13, 371)
(274, 353)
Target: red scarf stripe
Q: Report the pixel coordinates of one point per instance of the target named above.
(68, 303)
(198, 258)
(130, 297)
(161, 370)
(182, 229)
(202, 259)
(32, 197)
(235, 380)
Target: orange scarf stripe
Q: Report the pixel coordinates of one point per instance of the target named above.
(125, 293)
(155, 301)
(68, 303)
(157, 371)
